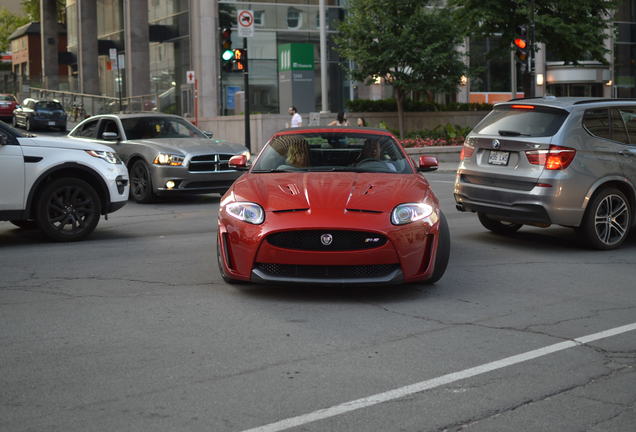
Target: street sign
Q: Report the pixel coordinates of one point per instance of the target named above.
(245, 20)
(190, 77)
(112, 53)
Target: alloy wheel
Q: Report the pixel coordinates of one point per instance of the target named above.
(611, 219)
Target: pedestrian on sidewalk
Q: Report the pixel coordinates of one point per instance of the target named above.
(296, 120)
(340, 120)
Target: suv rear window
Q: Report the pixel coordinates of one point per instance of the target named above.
(522, 120)
(48, 105)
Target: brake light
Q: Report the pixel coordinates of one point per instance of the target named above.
(467, 152)
(530, 107)
(556, 158)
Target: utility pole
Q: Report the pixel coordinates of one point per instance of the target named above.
(531, 52)
(246, 110)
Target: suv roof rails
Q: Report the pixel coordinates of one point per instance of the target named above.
(604, 100)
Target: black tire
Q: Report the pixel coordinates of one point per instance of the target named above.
(141, 183)
(496, 226)
(443, 250)
(219, 261)
(607, 219)
(27, 124)
(14, 121)
(24, 224)
(68, 209)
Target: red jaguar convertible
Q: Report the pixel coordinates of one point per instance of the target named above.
(332, 205)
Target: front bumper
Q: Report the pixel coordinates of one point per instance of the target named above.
(118, 184)
(408, 254)
(191, 182)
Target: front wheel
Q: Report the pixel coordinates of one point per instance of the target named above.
(27, 124)
(68, 209)
(607, 219)
(141, 183)
(443, 250)
(14, 122)
(497, 226)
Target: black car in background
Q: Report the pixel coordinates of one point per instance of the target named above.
(40, 114)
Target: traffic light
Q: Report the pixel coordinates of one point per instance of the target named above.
(240, 60)
(521, 44)
(227, 54)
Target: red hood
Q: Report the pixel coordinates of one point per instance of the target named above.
(314, 190)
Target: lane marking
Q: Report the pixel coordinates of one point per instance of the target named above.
(436, 382)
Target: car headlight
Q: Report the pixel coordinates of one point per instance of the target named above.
(247, 154)
(410, 212)
(168, 159)
(246, 211)
(109, 157)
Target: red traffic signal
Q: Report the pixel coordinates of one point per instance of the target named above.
(520, 43)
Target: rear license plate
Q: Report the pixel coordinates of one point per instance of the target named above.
(51, 123)
(498, 157)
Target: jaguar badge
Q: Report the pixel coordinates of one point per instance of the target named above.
(496, 144)
(326, 239)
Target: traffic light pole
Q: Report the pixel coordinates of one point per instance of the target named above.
(246, 108)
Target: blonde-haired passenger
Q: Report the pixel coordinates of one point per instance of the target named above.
(294, 148)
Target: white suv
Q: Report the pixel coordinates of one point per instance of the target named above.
(57, 184)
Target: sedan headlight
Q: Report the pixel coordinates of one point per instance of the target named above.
(410, 212)
(168, 159)
(109, 157)
(246, 211)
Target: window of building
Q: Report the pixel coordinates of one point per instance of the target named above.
(294, 18)
(259, 18)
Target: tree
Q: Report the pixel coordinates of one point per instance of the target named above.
(574, 30)
(410, 43)
(32, 9)
(8, 23)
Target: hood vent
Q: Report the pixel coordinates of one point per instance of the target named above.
(290, 210)
(364, 211)
(291, 189)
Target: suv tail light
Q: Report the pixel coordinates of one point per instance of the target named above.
(467, 152)
(555, 158)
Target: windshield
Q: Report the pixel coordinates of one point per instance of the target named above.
(532, 121)
(48, 105)
(159, 127)
(333, 151)
(8, 98)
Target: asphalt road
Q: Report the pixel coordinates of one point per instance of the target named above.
(134, 330)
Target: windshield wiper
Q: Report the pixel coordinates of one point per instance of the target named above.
(279, 170)
(511, 133)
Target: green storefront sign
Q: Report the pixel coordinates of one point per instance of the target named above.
(295, 57)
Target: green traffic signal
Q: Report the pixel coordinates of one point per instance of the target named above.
(227, 55)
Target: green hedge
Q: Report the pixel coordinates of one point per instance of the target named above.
(389, 105)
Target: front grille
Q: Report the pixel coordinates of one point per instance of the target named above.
(211, 162)
(336, 272)
(314, 240)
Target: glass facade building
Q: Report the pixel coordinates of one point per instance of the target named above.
(170, 50)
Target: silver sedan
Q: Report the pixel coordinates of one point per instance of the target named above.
(165, 154)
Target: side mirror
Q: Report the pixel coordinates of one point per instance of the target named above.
(110, 136)
(238, 162)
(208, 134)
(427, 163)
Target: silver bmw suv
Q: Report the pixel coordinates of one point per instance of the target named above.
(542, 161)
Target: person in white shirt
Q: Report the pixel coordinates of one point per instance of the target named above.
(296, 120)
